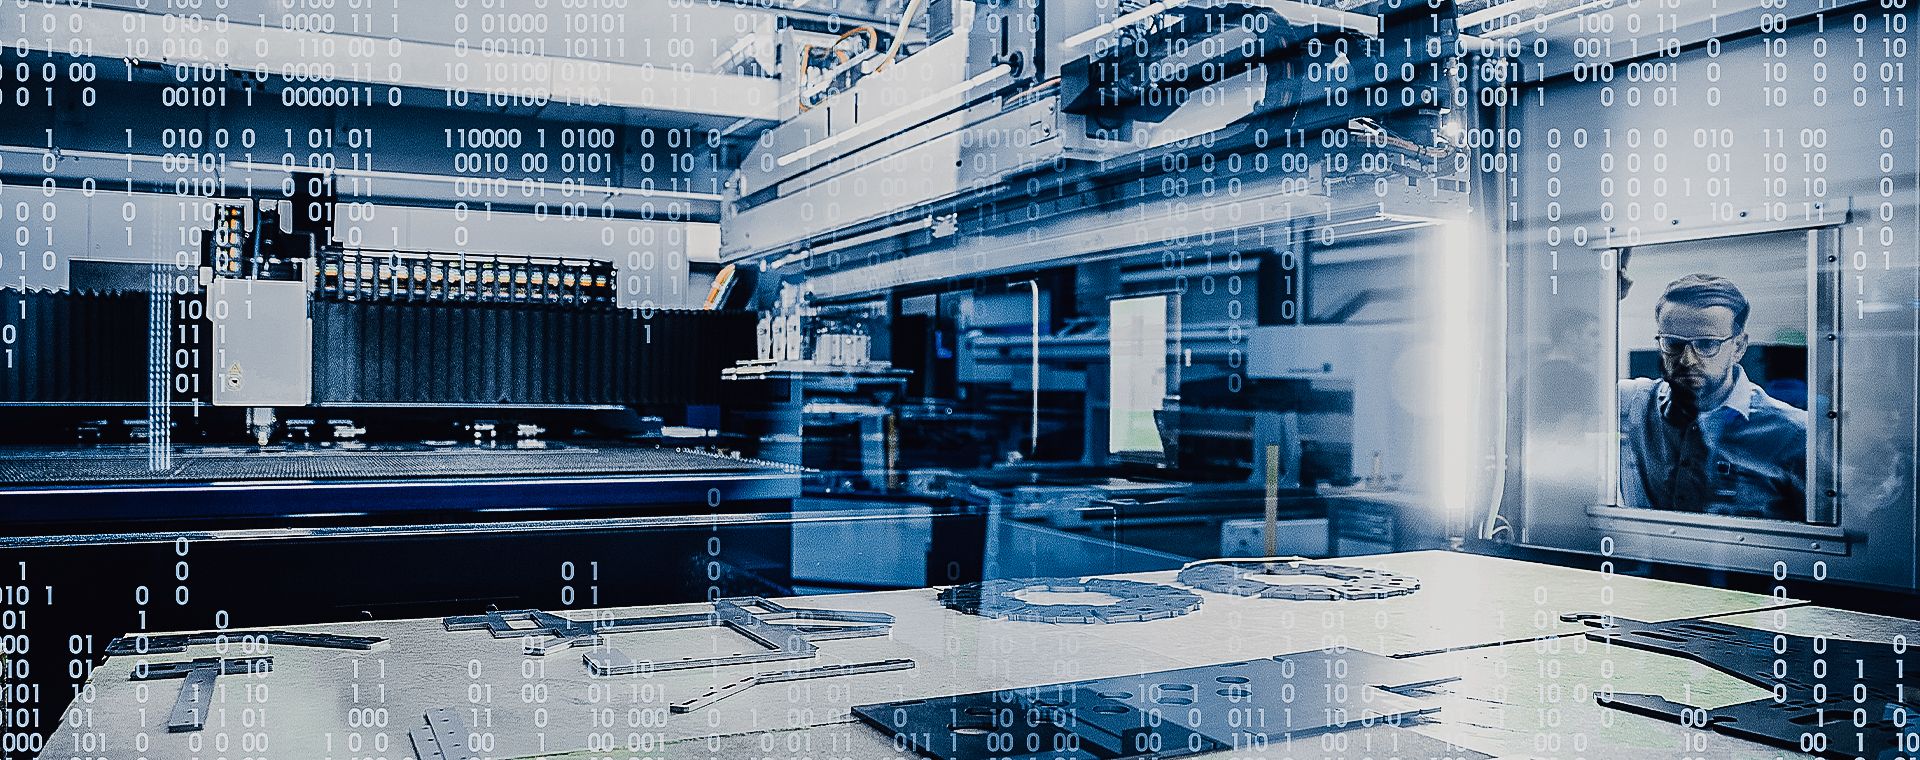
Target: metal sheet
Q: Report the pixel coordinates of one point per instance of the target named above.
(1467, 602)
(219, 665)
(1241, 579)
(781, 676)
(1540, 698)
(1135, 602)
(781, 633)
(189, 711)
(1168, 713)
(1835, 698)
(443, 738)
(859, 741)
(148, 643)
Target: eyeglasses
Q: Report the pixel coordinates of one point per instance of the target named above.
(1705, 348)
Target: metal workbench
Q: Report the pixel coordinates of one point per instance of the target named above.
(1497, 622)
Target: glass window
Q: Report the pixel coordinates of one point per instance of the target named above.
(1713, 369)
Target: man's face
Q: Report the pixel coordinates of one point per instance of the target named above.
(1688, 367)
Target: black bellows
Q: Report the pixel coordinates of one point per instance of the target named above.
(463, 353)
(73, 347)
(62, 347)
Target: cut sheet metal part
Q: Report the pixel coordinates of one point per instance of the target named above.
(231, 666)
(1834, 698)
(189, 711)
(779, 633)
(1136, 601)
(779, 676)
(443, 738)
(1240, 578)
(1170, 713)
(174, 643)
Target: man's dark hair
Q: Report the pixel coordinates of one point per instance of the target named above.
(1703, 291)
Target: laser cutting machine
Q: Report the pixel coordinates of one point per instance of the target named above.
(1117, 361)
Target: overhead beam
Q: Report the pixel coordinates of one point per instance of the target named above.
(28, 166)
(517, 79)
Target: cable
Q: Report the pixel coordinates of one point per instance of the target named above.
(873, 40)
(900, 37)
(806, 57)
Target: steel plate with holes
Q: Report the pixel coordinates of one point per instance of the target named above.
(189, 711)
(1218, 707)
(1241, 579)
(443, 738)
(1135, 601)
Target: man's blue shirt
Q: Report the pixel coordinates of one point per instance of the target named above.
(1755, 452)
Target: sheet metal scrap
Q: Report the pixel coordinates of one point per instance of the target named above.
(189, 711)
(1138, 602)
(1216, 707)
(1238, 579)
(780, 676)
(1833, 698)
(443, 738)
(174, 643)
(782, 633)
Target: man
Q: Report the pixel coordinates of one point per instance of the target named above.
(1705, 438)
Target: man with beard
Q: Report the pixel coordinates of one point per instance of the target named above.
(1704, 438)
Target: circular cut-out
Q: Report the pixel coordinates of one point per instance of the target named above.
(1272, 579)
(1035, 596)
(1013, 600)
(1317, 582)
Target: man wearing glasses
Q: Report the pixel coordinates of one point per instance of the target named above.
(1704, 438)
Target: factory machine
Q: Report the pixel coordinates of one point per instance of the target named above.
(1003, 295)
(1232, 245)
(282, 355)
(388, 419)
(1039, 169)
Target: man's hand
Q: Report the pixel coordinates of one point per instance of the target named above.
(1683, 407)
